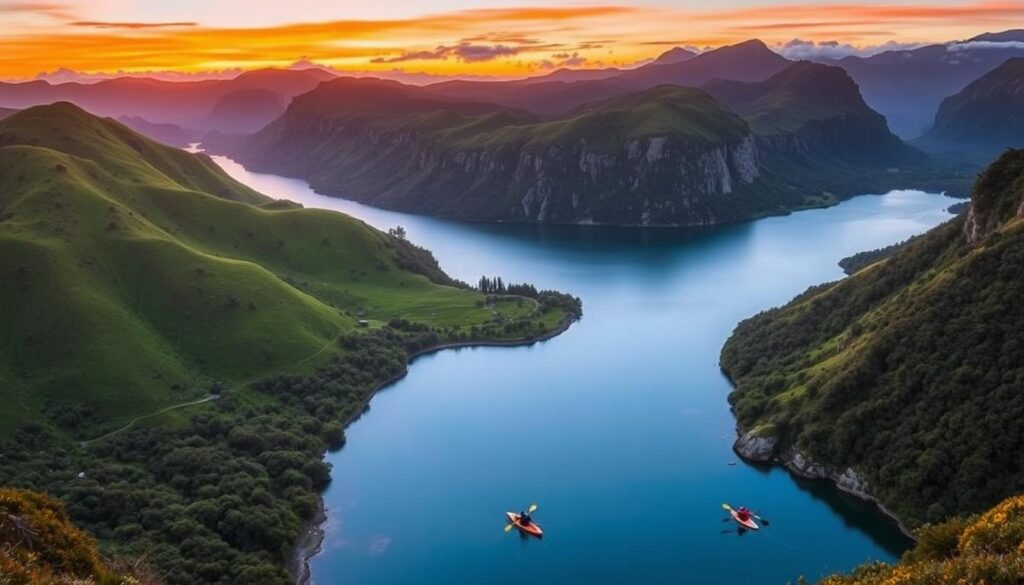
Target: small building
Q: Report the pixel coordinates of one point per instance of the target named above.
(364, 322)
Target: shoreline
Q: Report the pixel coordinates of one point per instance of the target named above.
(311, 533)
(798, 465)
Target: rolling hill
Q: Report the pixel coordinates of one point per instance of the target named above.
(901, 382)
(136, 275)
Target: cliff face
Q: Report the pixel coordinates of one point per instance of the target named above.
(986, 112)
(665, 156)
(671, 157)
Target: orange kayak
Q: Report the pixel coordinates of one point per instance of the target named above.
(533, 529)
(749, 523)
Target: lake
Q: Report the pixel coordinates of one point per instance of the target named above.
(619, 428)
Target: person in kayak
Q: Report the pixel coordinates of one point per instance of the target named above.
(524, 518)
(743, 514)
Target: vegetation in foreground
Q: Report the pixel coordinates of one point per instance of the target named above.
(40, 546)
(909, 371)
(986, 549)
(137, 276)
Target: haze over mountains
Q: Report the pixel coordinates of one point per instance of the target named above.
(191, 104)
(983, 119)
(907, 86)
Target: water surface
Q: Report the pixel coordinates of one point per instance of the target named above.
(619, 428)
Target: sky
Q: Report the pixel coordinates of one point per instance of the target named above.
(504, 38)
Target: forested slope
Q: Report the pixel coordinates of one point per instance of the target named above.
(904, 380)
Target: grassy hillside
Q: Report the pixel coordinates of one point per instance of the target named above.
(908, 371)
(988, 549)
(136, 275)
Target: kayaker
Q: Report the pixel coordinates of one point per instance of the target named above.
(524, 518)
(743, 514)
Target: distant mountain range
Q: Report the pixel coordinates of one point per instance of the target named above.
(189, 104)
(983, 119)
(561, 92)
(907, 86)
(666, 155)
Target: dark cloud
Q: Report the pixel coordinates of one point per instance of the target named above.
(801, 49)
(464, 51)
(131, 25)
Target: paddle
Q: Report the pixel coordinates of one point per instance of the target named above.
(530, 510)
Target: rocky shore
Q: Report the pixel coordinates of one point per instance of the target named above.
(763, 448)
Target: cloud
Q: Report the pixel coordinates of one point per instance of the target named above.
(49, 9)
(798, 49)
(131, 25)
(464, 51)
(969, 45)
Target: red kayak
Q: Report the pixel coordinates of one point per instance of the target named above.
(749, 523)
(533, 529)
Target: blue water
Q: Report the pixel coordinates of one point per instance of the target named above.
(618, 428)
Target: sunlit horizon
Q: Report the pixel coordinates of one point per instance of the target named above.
(451, 38)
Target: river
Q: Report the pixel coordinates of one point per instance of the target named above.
(619, 428)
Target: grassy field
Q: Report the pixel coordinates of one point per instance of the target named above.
(135, 276)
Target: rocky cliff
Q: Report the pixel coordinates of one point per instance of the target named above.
(668, 156)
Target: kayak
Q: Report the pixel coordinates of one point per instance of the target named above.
(533, 529)
(749, 523)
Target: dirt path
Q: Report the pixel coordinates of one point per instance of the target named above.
(209, 398)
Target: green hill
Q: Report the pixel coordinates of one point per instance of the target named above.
(135, 275)
(903, 380)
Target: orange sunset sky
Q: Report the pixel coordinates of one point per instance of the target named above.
(453, 37)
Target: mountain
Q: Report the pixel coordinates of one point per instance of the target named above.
(136, 274)
(670, 155)
(538, 95)
(4, 112)
(570, 75)
(984, 118)
(170, 134)
(907, 86)
(986, 549)
(244, 111)
(747, 61)
(547, 96)
(1007, 36)
(663, 156)
(811, 111)
(901, 382)
(673, 56)
(182, 103)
